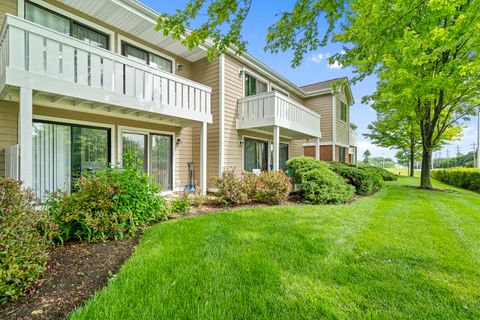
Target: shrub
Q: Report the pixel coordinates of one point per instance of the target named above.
(272, 187)
(365, 182)
(467, 178)
(180, 204)
(318, 183)
(385, 174)
(232, 189)
(24, 237)
(107, 204)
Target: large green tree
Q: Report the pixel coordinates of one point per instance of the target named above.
(399, 133)
(424, 52)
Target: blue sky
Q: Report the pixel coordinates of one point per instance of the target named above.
(314, 68)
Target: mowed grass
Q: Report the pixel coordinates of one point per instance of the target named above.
(400, 254)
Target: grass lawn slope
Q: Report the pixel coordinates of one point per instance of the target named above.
(402, 253)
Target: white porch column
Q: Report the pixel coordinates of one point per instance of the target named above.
(317, 149)
(276, 148)
(203, 159)
(25, 136)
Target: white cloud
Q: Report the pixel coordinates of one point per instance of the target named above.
(317, 58)
(335, 65)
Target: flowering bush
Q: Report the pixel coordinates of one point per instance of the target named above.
(24, 237)
(232, 189)
(107, 204)
(272, 187)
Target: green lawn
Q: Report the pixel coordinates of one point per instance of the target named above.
(402, 253)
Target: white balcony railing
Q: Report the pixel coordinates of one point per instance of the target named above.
(45, 60)
(353, 137)
(274, 109)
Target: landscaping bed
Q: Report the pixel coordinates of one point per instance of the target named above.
(74, 273)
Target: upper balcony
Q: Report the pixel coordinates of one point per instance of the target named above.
(267, 110)
(87, 78)
(352, 139)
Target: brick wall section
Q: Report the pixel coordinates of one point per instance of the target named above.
(325, 152)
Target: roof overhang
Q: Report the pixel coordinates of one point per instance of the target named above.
(134, 18)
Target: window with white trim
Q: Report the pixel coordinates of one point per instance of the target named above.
(254, 86)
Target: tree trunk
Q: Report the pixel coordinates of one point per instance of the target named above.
(425, 178)
(412, 163)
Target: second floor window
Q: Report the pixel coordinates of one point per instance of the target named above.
(146, 57)
(254, 86)
(343, 111)
(59, 23)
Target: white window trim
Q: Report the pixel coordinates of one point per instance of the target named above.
(122, 129)
(112, 128)
(253, 74)
(122, 38)
(88, 23)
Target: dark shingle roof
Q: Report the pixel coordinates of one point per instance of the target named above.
(322, 85)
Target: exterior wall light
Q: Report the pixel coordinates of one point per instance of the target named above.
(178, 141)
(179, 67)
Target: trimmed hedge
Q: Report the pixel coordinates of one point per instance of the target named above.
(467, 178)
(366, 182)
(318, 183)
(385, 174)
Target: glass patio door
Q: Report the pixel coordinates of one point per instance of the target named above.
(62, 152)
(255, 154)
(161, 160)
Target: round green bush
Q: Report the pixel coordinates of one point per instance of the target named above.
(365, 182)
(318, 183)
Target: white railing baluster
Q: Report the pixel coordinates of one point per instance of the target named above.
(26, 46)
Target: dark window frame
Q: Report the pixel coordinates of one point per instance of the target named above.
(71, 126)
(72, 22)
(343, 111)
(266, 151)
(124, 44)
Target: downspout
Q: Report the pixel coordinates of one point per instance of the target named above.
(334, 126)
(221, 115)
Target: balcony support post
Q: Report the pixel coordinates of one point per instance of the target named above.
(276, 148)
(317, 149)
(203, 159)
(25, 122)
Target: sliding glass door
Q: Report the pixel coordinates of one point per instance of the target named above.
(156, 153)
(161, 160)
(62, 152)
(255, 154)
(283, 156)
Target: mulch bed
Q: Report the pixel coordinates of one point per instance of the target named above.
(77, 270)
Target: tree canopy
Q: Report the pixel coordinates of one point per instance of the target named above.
(424, 52)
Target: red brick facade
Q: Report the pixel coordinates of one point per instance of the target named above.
(326, 153)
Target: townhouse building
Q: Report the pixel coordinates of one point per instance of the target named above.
(84, 82)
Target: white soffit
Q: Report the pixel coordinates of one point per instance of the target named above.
(134, 18)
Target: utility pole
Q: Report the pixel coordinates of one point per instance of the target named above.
(458, 150)
(448, 158)
(475, 158)
(478, 139)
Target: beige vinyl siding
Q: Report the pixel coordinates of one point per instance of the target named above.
(8, 130)
(7, 6)
(342, 126)
(323, 106)
(233, 92)
(208, 74)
